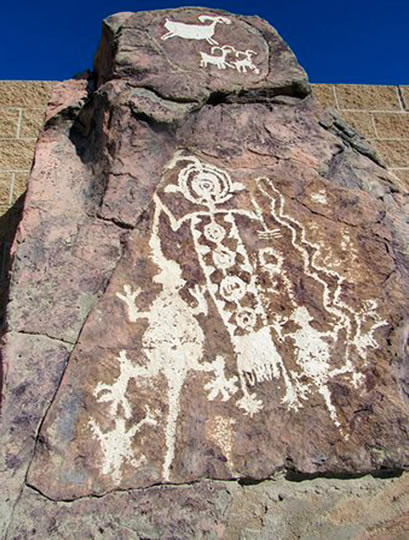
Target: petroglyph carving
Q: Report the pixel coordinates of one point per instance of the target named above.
(320, 197)
(313, 348)
(257, 357)
(245, 61)
(220, 430)
(218, 60)
(116, 444)
(195, 31)
(241, 61)
(173, 342)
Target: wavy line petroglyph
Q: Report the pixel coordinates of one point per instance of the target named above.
(174, 340)
(312, 347)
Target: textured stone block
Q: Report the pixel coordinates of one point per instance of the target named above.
(25, 93)
(362, 122)
(16, 154)
(20, 184)
(402, 174)
(5, 183)
(8, 122)
(370, 98)
(392, 125)
(395, 153)
(32, 122)
(324, 94)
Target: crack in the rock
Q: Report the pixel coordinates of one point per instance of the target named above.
(46, 336)
(173, 99)
(291, 475)
(117, 222)
(339, 127)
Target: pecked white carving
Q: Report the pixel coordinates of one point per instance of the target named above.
(173, 342)
(241, 61)
(116, 444)
(218, 60)
(195, 31)
(245, 61)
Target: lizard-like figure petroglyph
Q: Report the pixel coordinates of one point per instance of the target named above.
(172, 343)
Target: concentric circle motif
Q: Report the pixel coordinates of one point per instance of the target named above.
(232, 288)
(223, 258)
(205, 184)
(214, 232)
(246, 319)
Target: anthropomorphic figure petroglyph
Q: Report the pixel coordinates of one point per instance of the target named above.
(218, 60)
(195, 31)
(172, 343)
(238, 303)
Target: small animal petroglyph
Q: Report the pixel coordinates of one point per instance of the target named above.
(245, 62)
(218, 60)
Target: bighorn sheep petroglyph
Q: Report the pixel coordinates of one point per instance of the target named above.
(217, 60)
(245, 62)
(195, 31)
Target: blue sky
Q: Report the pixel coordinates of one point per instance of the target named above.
(336, 41)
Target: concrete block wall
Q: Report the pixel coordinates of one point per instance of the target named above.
(378, 113)
(22, 107)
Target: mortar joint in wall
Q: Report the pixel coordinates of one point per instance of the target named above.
(19, 123)
(402, 99)
(336, 97)
(374, 126)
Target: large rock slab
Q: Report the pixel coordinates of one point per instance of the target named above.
(228, 265)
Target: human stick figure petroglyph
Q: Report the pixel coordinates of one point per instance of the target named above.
(195, 31)
(173, 344)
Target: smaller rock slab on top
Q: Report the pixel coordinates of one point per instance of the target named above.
(188, 54)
